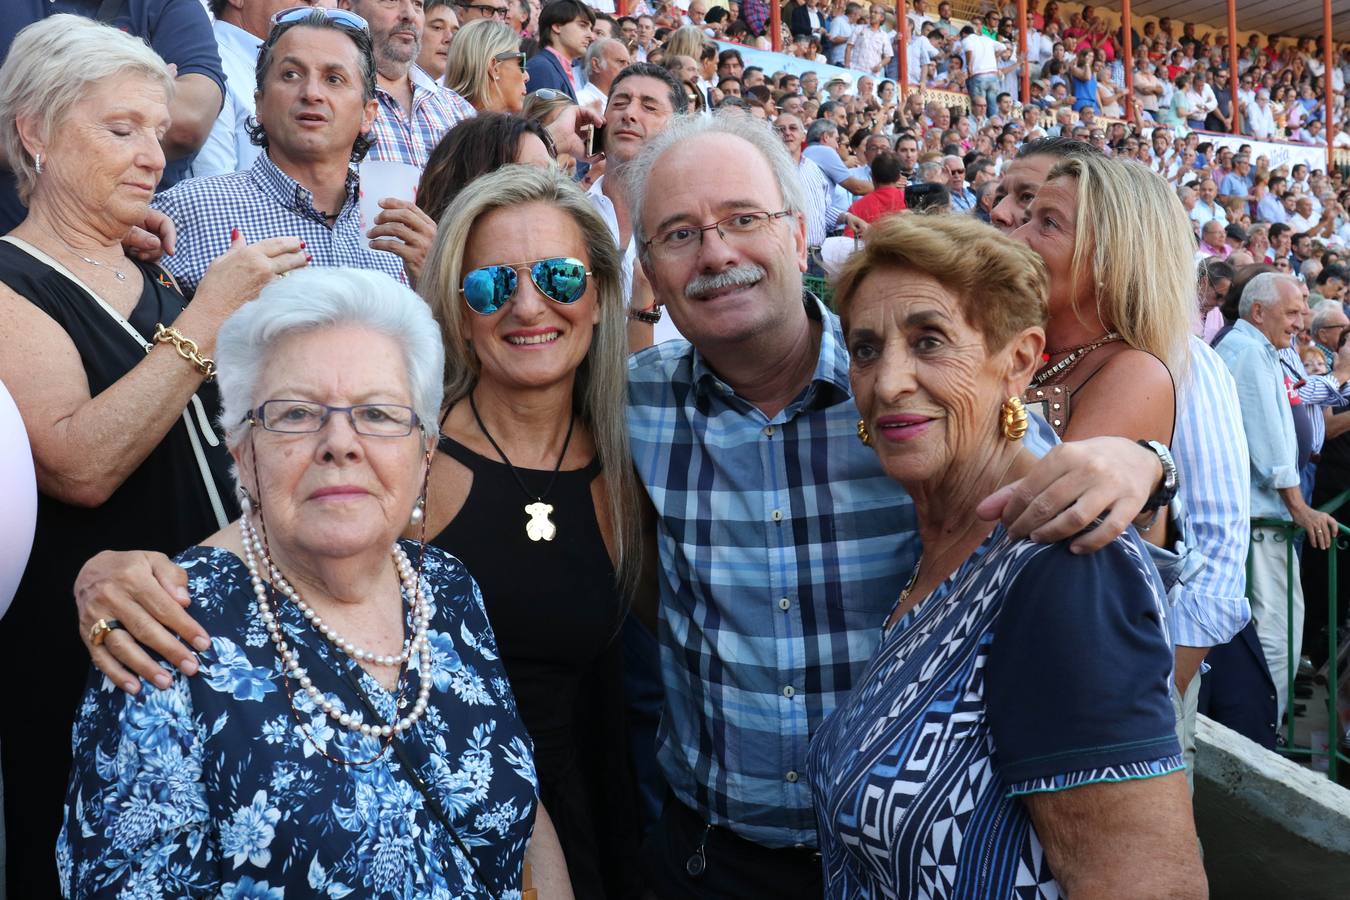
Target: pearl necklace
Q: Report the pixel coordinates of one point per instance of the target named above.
(254, 550)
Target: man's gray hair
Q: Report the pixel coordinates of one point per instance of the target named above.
(51, 66)
(317, 298)
(682, 130)
(931, 172)
(1322, 314)
(596, 51)
(818, 129)
(1263, 289)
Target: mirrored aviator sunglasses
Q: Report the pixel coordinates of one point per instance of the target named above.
(562, 279)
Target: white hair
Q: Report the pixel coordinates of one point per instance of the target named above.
(317, 298)
(1264, 289)
(50, 66)
(596, 51)
(1323, 312)
(684, 129)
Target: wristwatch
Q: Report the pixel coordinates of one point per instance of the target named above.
(1164, 494)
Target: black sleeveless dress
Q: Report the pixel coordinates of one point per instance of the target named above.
(556, 612)
(163, 505)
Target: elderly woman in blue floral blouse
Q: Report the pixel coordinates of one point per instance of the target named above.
(353, 731)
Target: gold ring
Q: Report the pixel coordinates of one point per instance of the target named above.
(100, 630)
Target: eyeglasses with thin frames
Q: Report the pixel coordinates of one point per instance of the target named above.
(487, 11)
(682, 240)
(309, 417)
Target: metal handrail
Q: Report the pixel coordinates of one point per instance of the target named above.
(1288, 532)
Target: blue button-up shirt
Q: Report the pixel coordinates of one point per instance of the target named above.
(1266, 417)
(1210, 451)
(783, 546)
(264, 202)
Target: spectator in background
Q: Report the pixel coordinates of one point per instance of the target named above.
(1271, 312)
(604, 59)
(1258, 118)
(815, 186)
(1207, 205)
(240, 29)
(437, 33)
(483, 144)
(180, 32)
(886, 197)
(1212, 243)
(869, 48)
(564, 34)
(962, 198)
(311, 128)
(981, 57)
(485, 67)
(822, 148)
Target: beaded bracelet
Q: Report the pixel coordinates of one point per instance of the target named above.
(187, 348)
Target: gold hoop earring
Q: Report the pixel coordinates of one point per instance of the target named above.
(1013, 419)
(863, 434)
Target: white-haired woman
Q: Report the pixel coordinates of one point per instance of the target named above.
(352, 730)
(486, 66)
(110, 371)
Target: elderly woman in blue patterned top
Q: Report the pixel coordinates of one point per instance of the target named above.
(353, 730)
(1013, 731)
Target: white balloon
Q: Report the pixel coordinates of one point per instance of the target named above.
(18, 498)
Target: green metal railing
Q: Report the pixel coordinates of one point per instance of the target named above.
(1288, 532)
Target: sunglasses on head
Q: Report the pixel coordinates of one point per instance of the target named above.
(300, 13)
(561, 279)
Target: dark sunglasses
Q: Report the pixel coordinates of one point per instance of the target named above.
(561, 279)
(513, 54)
(300, 13)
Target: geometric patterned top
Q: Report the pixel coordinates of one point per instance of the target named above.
(1030, 669)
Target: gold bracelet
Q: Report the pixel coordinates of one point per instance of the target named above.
(187, 348)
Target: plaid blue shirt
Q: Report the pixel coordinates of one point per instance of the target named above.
(410, 139)
(263, 202)
(783, 546)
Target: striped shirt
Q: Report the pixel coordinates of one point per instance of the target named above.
(263, 202)
(783, 546)
(410, 139)
(1317, 391)
(818, 191)
(1210, 451)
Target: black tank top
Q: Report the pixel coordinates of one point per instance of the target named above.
(555, 610)
(163, 505)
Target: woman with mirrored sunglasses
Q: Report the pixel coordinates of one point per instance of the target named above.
(533, 487)
(486, 67)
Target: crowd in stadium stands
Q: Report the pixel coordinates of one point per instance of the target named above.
(486, 447)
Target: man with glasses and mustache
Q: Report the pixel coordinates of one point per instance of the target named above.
(315, 105)
(963, 200)
(414, 111)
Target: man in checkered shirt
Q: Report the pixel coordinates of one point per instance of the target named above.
(316, 103)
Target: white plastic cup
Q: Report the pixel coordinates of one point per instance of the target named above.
(382, 179)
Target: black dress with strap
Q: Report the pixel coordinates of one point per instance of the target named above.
(163, 505)
(556, 611)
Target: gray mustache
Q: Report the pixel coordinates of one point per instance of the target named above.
(739, 276)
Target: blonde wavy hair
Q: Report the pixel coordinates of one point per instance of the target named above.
(600, 392)
(687, 41)
(470, 57)
(1134, 242)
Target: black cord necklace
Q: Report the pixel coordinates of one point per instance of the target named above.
(539, 527)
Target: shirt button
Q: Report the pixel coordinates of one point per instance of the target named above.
(768, 431)
(791, 777)
(789, 691)
(777, 515)
(785, 604)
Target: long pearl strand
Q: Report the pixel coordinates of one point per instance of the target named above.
(420, 644)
